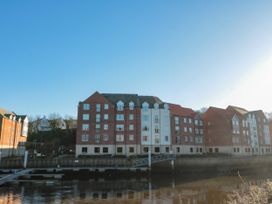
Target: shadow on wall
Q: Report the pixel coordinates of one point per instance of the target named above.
(10, 152)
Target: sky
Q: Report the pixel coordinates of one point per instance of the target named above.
(197, 53)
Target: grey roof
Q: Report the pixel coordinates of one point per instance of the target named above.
(135, 98)
(125, 98)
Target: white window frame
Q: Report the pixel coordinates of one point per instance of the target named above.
(86, 106)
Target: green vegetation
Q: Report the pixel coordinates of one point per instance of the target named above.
(54, 142)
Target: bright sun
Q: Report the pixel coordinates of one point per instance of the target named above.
(254, 91)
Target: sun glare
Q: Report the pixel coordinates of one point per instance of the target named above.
(253, 90)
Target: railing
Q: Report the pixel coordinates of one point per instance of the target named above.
(154, 159)
(85, 162)
(53, 163)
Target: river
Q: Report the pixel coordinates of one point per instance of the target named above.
(184, 189)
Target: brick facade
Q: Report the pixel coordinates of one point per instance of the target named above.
(13, 133)
(129, 124)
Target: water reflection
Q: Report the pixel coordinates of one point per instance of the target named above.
(155, 190)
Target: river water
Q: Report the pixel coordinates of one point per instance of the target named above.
(184, 189)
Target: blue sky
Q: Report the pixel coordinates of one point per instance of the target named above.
(54, 54)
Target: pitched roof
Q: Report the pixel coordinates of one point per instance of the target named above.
(151, 100)
(126, 98)
(176, 109)
(239, 110)
(135, 98)
(218, 112)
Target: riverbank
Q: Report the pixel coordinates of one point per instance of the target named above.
(251, 194)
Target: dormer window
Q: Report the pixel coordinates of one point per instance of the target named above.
(145, 106)
(131, 105)
(120, 106)
(166, 107)
(156, 106)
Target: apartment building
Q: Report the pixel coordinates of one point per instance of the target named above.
(187, 130)
(155, 125)
(123, 124)
(131, 124)
(237, 131)
(13, 133)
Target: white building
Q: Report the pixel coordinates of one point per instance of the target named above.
(155, 125)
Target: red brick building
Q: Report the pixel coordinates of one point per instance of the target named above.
(109, 124)
(13, 133)
(187, 130)
(236, 131)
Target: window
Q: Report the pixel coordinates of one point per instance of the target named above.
(85, 137)
(200, 149)
(166, 149)
(145, 138)
(84, 150)
(191, 149)
(178, 139)
(106, 137)
(131, 117)
(216, 150)
(156, 106)
(105, 150)
(106, 126)
(145, 128)
(156, 129)
(196, 122)
(157, 139)
(157, 149)
(131, 137)
(131, 127)
(156, 120)
(191, 139)
(97, 118)
(131, 149)
(196, 131)
(119, 138)
(190, 130)
(97, 150)
(178, 149)
(97, 107)
(185, 129)
(97, 138)
(120, 106)
(145, 149)
(176, 120)
(131, 105)
(86, 106)
(120, 117)
(185, 120)
(201, 131)
(166, 138)
(85, 116)
(145, 106)
(120, 127)
(85, 127)
(190, 120)
(200, 122)
(119, 149)
(186, 139)
(97, 126)
(106, 116)
(177, 129)
(106, 106)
